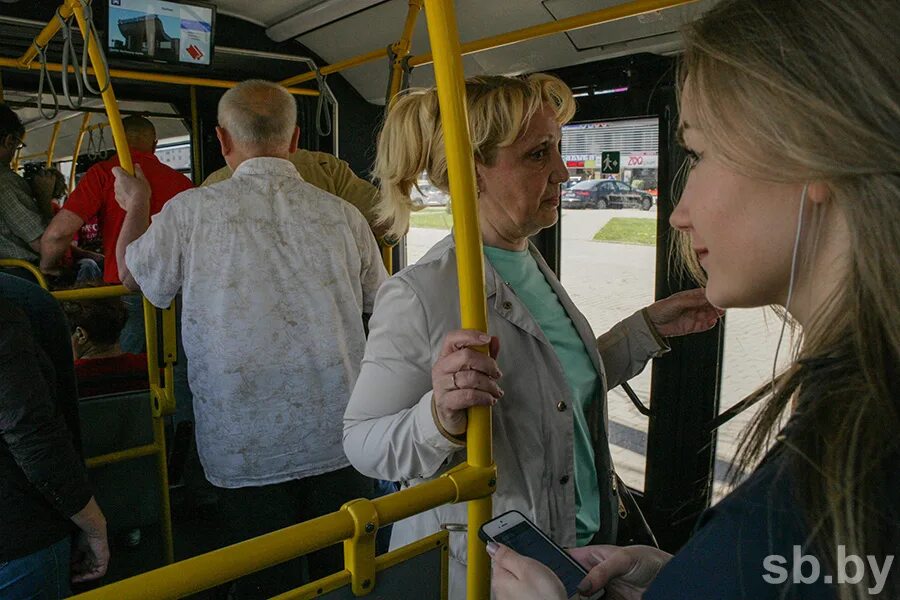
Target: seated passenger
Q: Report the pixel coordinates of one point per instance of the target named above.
(780, 210)
(329, 173)
(100, 365)
(24, 212)
(44, 493)
(276, 275)
(79, 264)
(407, 416)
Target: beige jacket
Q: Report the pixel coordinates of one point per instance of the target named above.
(329, 173)
(389, 431)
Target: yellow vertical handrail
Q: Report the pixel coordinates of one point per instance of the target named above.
(448, 71)
(387, 257)
(401, 51)
(14, 164)
(160, 403)
(161, 397)
(51, 147)
(109, 98)
(85, 120)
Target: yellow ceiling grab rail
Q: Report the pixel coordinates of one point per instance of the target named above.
(606, 15)
(155, 77)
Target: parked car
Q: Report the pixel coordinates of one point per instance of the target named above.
(428, 195)
(572, 181)
(605, 193)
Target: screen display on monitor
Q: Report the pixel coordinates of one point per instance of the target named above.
(161, 31)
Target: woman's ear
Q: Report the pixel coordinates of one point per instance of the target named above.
(479, 179)
(80, 335)
(818, 192)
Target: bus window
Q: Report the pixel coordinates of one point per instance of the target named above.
(431, 224)
(608, 254)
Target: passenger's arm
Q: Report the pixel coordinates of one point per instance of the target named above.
(150, 258)
(90, 557)
(389, 426)
(628, 346)
(22, 222)
(32, 429)
(133, 195)
(58, 237)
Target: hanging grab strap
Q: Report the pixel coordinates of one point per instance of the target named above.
(45, 76)
(69, 54)
(91, 32)
(323, 126)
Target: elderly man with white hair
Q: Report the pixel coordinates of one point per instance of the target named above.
(276, 277)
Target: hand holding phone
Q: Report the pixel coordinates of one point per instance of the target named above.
(514, 530)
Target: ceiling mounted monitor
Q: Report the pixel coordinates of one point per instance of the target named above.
(161, 31)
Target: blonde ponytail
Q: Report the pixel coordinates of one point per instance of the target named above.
(404, 149)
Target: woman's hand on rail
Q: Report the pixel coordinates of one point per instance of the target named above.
(625, 573)
(131, 190)
(684, 313)
(516, 577)
(464, 377)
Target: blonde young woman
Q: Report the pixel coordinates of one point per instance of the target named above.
(789, 114)
(406, 418)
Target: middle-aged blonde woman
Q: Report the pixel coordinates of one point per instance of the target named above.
(406, 418)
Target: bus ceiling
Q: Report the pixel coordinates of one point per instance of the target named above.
(334, 31)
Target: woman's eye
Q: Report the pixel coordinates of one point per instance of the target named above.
(539, 154)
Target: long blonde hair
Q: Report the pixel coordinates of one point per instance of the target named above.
(412, 139)
(797, 91)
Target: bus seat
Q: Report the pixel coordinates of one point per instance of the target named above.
(128, 491)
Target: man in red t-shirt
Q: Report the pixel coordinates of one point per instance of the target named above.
(95, 197)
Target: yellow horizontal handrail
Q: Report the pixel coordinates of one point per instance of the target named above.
(604, 15)
(121, 455)
(24, 264)
(340, 66)
(154, 77)
(92, 293)
(220, 566)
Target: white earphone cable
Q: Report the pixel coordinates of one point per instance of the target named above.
(790, 294)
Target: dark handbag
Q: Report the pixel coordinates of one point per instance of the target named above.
(632, 527)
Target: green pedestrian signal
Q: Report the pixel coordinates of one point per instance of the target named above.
(609, 163)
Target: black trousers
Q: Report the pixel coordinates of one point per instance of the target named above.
(253, 511)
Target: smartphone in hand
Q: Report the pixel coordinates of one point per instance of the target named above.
(514, 530)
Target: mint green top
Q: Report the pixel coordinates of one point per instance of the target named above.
(521, 272)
